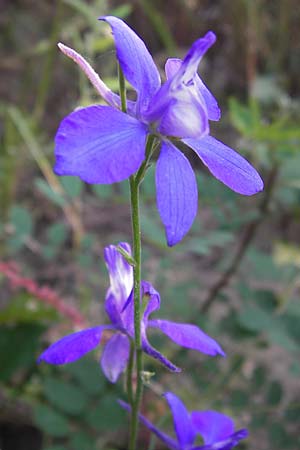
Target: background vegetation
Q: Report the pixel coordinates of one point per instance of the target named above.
(236, 274)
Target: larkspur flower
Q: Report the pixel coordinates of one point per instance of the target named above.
(101, 144)
(216, 429)
(120, 309)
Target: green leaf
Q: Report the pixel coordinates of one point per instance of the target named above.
(292, 413)
(112, 419)
(103, 190)
(25, 308)
(274, 393)
(88, 374)
(13, 355)
(65, 396)
(51, 195)
(278, 435)
(239, 398)
(56, 236)
(55, 447)
(50, 421)
(82, 441)
(254, 319)
(21, 220)
(259, 377)
(72, 185)
(152, 229)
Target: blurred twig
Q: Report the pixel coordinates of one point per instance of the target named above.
(45, 82)
(70, 209)
(249, 234)
(159, 24)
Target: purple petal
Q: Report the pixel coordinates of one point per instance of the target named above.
(120, 275)
(185, 115)
(136, 61)
(147, 348)
(153, 301)
(190, 63)
(177, 195)
(178, 107)
(189, 336)
(182, 421)
(227, 165)
(212, 425)
(74, 346)
(115, 356)
(213, 111)
(100, 145)
(172, 66)
(170, 443)
(226, 444)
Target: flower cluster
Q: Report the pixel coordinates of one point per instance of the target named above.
(106, 144)
(102, 144)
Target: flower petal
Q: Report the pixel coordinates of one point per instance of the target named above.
(227, 165)
(189, 336)
(190, 63)
(74, 346)
(185, 115)
(153, 301)
(100, 145)
(226, 444)
(120, 274)
(177, 195)
(179, 108)
(115, 356)
(111, 98)
(212, 425)
(182, 421)
(147, 348)
(170, 443)
(213, 111)
(136, 61)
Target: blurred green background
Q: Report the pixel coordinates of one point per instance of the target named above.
(237, 273)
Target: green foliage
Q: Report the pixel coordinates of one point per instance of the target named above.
(24, 308)
(78, 404)
(13, 356)
(50, 421)
(21, 222)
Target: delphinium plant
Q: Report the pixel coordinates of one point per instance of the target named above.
(108, 144)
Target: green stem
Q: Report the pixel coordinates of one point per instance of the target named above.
(136, 232)
(136, 345)
(122, 89)
(129, 373)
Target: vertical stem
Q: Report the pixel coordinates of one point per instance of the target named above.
(135, 399)
(136, 232)
(129, 373)
(136, 346)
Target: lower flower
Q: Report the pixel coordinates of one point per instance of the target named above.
(120, 310)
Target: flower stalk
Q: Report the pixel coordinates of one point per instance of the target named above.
(135, 348)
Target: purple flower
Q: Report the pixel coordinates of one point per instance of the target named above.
(216, 429)
(101, 144)
(119, 308)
